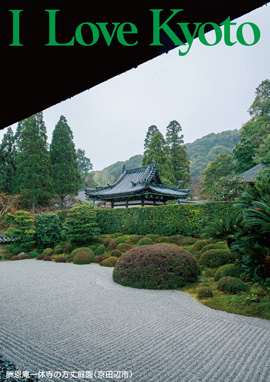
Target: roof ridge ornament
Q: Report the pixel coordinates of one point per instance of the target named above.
(123, 168)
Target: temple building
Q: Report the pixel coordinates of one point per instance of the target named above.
(137, 187)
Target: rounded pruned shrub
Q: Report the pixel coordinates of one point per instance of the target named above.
(156, 267)
(161, 239)
(48, 251)
(133, 239)
(145, 241)
(120, 239)
(40, 257)
(100, 250)
(123, 247)
(47, 258)
(204, 292)
(116, 253)
(16, 257)
(81, 249)
(58, 249)
(111, 244)
(232, 270)
(232, 285)
(83, 257)
(214, 246)
(198, 246)
(60, 259)
(214, 258)
(109, 262)
(98, 259)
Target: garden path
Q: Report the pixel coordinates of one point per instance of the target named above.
(63, 318)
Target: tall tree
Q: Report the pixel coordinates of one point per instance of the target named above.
(255, 131)
(178, 152)
(33, 179)
(84, 166)
(65, 173)
(158, 151)
(221, 166)
(7, 162)
(149, 135)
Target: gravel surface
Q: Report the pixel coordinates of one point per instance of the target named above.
(67, 322)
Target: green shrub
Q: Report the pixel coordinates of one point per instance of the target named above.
(80, 224)
(83, 258)
(152, 236)
(58, 249)
(123, 247)
(232, 270)
(98, 259)
(110, 244)
(48, 251)
(204, 292)
(214, 246)
(198, 246)
(7, 256)
(68, 247)
(145, 241)
(161, 239)
(116, 253)
(214, 258)
(70, 260)
(232, 285)
(100, 250)
(110, 262)
(120, 239)
(81, 249)
(133, 239)
(48, 228)
(22, 231)
(33, 254)
(156, 267)
(60, 259)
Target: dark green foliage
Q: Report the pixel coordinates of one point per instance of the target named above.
(214, 258)
(253, 237)
(116, 253)
(7, 256)
(221, 166)
(149, 135)
(33, 179)
(232, 270)
(109, 262)
(228, 188)
(81, 249)
(83, 257)
(123, 247)
(177, 153)
(80, 225)
(60, 259)
(120, 239)
(22, 230)
(232, 285)
(100, 250)
(184, 219)
(156, 267)
(84, 166)
(65, 173)
(34, 254)
(204, 292)
(58, 249)
(8, 154)
(48, 228)
(98, 259)
(145, 241)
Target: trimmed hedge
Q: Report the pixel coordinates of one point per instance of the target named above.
(215, 258)
(184, 219)
(232, 285)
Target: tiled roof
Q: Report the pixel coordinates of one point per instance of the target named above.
(137, 181)
(250, 174)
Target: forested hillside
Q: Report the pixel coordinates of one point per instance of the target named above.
(200, 153)
(204, 150)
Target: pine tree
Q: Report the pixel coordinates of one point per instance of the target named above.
(158, 151)
(149, 135)
(65, 173)
(84, 166)
(178, 152)
(7, 162)
(33, 179)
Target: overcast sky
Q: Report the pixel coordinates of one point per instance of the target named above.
(208, 90)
